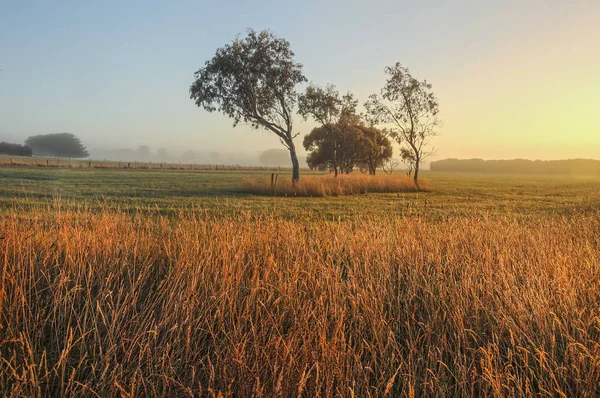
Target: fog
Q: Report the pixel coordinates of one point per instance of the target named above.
(272, 157)
(513, 79)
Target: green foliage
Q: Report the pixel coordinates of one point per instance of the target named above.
(329, 148)
(325, 105)
(337, 116)
(64, 145)
(374, 148)
(347, 147)
(253, 80)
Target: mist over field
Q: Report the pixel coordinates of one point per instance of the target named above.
(270, 157)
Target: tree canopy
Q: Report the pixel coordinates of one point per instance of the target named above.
(361, 146)
(253, 80)
(374, 148)
(65, 145)
(410, 108)
(337, 116)
(326, 151)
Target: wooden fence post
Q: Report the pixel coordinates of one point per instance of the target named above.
(274, 178)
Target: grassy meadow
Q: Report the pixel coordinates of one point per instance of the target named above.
(155, 282)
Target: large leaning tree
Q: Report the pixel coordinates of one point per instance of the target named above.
(335, 113)
(253, 80)
(411, 109)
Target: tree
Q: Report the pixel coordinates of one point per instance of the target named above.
(361, 146)
(411, 108)
(253, 80)
(319, 145)
(65, 145)
(334, 113)
(15, 149)
(326, 152)
(375, 148)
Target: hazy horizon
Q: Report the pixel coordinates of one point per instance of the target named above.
(513, 80)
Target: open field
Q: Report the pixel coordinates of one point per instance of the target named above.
(168, 192)
(165, 282)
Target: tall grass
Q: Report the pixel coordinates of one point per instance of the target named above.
(328, 185)
(108, 304)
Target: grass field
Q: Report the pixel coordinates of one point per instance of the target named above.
(178, 282)
(222, 192)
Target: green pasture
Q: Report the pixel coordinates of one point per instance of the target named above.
(224, 192)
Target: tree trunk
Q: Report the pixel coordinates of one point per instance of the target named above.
(372, 169)
(417, 165)
(335, 165)
(295, 163)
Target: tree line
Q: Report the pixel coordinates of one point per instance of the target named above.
(519, 166)
(60, 145)
(254, 80)
(7, 148)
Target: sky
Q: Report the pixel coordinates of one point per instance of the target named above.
(514, 79)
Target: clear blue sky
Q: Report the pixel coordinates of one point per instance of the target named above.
(512, 78)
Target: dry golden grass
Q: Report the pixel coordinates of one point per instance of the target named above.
(328, 185)
(110, 304)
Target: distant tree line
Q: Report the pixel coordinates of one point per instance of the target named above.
(15, 149)
(61, 145)
(519, 166)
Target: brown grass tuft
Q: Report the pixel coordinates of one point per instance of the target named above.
(328, 185)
